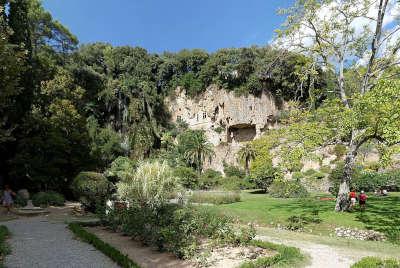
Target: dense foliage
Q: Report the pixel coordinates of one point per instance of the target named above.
(367, 180)
(45, 199)
(91, 189)
(176, 229)
(287, 189)
(66, 108)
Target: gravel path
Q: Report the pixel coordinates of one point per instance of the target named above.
(36, 242)
(322, 255)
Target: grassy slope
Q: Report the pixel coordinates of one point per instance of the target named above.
(381, 214)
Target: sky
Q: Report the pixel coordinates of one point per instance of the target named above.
(171, 25)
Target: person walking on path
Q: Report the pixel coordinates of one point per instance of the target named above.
(362, 200)
(8, 198)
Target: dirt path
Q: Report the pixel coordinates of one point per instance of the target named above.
(321, 254)
(144, 256)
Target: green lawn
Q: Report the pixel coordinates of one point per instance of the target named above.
(382, 213)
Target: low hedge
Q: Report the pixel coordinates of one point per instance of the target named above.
(4, 247)
(371, 262)
(286, 256)
(216, 198)
(45, 199)
(104, 247)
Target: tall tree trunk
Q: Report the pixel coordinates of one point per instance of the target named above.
(199, 162)
(247, 166)
(342, 200)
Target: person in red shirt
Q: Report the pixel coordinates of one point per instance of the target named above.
(362, 200)
(353, 198)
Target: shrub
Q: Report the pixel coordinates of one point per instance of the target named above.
(20, 201)
(317, 175)
(91, 189)
(325, 169)
(178, 230)
(188, 178)
(210, 179)
(233, 171)
(219, 129)
(309, 172)
(373, 166)
(4, 247)
(297, 175)
(371, 180)
(216, 198)
(370, 262)
(45, 199)
(151, 185)
(120, 168)
(287, 189)
(339, 150)
(104, 247)
(314, 174)
(298, 222)
(263, 177)
(286, 256)
(236, 183)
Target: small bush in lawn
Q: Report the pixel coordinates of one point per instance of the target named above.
(285, 257)
(210, 179)
(264, 176)
(91, 189)
(187, 177)
(287, 189)
(216, 198)
(298, 222)
(372, 262)
(45, 199)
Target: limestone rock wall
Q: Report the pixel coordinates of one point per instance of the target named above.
(227, 119)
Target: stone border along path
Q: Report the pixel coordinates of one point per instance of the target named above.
(37, 243)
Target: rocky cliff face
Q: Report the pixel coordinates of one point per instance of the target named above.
(228, 120)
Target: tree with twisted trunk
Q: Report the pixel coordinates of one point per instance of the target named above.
(361, 36)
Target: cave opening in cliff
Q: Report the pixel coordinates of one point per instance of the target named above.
(241, 133)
